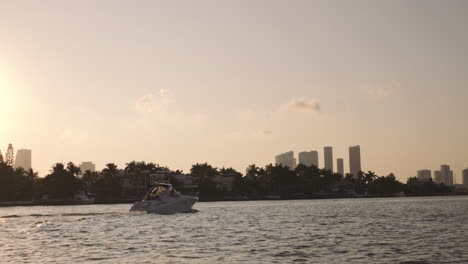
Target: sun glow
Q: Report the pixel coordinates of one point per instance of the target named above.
(6, 97)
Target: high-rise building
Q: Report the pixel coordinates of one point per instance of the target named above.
(438, 177)
(354, 160)
(446, 174)
(23, 159)
(308, 158)
(424, 174)
(340, 166)
(465, 177)
(286, 159)
(328, 158)
(87, 166)
(315, 158)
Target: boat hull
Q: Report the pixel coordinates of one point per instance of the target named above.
(181, 204)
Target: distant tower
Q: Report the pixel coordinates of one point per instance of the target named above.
(315, 158)
(10, 156)
(354, 160)
(87, 166)
(447, 174)
(465, 177)
(23, 159)
(328, 157)
(308, 158)
(340, 166)
(286, 159)
(304, 158)
(424, 174)
(438, 177)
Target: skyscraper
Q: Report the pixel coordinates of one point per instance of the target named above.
(308, 158)
(446, 174)
(23, 159)
(340, 166)
(424, 174)
(354, 160)
(315, 158)
(438, 177)
(328, 158)
(286, 159)
(465, 177)
(87, 166)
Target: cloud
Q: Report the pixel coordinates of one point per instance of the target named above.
(378, 92)
(302, 104)
(264, 132)
(166, 97)
(381, 90)
(144, 103)
(150, 102)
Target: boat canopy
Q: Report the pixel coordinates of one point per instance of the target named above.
(159, 190)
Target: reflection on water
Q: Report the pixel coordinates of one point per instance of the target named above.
(394, 230)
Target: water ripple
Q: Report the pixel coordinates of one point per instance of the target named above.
(394, 230)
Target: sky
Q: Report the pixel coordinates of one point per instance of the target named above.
(234, 83)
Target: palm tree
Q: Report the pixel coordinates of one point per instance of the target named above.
(369, 177)
(61, 182)
(110, 168)
(73, 169)
(131, 167)
(89, 177)
(31, 174)
(252, 170)
(203, 171)
(19, 172)
(110, 172)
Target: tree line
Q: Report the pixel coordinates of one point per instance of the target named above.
(269, 182)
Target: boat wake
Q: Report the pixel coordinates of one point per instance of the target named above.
(82, 214)
(64, 214)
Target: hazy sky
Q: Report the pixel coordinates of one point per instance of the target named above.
(235, 82)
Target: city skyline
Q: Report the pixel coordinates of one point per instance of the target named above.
(208, 131)
(235, 83)
(285, 159)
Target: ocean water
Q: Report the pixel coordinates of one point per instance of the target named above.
(387, 230)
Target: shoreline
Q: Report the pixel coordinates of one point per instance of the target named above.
(131, 201)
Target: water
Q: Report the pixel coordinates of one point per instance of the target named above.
(392, 230)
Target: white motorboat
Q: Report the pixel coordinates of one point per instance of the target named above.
(164, 199)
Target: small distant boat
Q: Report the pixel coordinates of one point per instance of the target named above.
(162, 198)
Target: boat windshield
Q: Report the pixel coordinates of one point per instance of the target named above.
(158, 191)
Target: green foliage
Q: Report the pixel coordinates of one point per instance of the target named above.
(204, 174)
(270, 181)
(15, 184)
(385, 185)
(63, 181)
(414, 187)
(10, 156)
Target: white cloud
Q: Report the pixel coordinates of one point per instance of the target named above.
(302, 104)
(145, 103)
(150, 102)
(378, 92)
(264, 132)
(161, 108)
(381, 90)
(166, 97)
